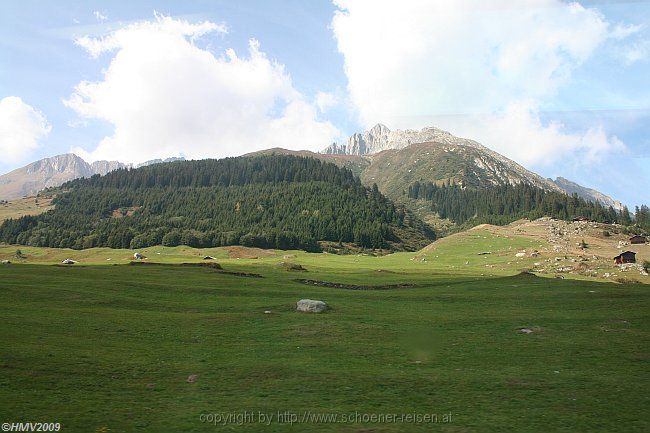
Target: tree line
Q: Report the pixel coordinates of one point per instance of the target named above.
(504, 204)
(271, 201)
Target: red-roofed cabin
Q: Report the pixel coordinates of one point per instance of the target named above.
(626, 257)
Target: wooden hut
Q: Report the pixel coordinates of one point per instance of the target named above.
(626, 257)
(638, 239)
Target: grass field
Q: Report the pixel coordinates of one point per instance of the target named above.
(103, 346)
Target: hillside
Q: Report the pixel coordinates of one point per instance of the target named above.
(545, 246)
(471, 169)
(24, 206)
(271, 201)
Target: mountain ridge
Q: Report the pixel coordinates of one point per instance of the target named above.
(55, 171)
(390, 158)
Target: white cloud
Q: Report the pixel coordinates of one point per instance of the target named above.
(519, 133)
(410, 61)
(21, 128)
(166, 96)
(325, 100)
(100, 16)
(638, 51)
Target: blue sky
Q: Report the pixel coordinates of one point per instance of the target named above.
(561, 88)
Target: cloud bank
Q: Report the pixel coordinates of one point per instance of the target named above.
(479, 69)
(21, 129)
(166, 96)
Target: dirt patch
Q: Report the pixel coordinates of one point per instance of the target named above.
(355, 286)
(237, 252)
(215, 266)
(124, 212)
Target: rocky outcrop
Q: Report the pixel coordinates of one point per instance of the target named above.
(379, 138)
(103, 167)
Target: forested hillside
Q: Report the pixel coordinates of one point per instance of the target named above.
(506, 203)
(271, 201)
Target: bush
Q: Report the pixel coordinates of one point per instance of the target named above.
(606, 233)
(646, 266)
(172, 239)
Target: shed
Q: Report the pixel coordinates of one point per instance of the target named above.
(638, 239)
(626, 257)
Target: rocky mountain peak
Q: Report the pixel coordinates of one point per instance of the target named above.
(587, 193)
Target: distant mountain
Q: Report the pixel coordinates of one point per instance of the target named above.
(156, 161)
(587, 193)
(50, 172)
(55, 171)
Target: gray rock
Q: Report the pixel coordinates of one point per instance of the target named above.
(311, 306)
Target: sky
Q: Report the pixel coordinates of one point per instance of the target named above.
(561, 87)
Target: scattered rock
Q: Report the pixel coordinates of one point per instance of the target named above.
(530, 330)
(192, 378)
(208, 258)
(267, 312)
(520, 254)
(6, 262)
(68, 262)
(311, 306)
(292, 266)
(151, 385)
(138, 256)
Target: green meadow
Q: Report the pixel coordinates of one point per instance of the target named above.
(104, 346)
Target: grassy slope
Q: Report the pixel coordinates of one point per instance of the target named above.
(452, 254)
(111, 347)
(24, 206)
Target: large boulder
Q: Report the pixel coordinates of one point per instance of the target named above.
(311, 306)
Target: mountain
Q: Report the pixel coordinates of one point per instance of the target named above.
(398, 158)
(380, 138)
(587, 193)
(50, 172)
(56, 170)
(103, 167)
(156, 161)
(267, 201)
